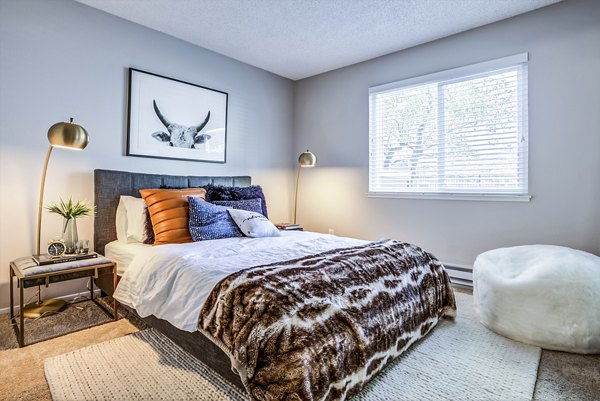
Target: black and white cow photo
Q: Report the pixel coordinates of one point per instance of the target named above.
(178, 135)
(173, 119)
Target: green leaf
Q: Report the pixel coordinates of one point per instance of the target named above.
(70, 209)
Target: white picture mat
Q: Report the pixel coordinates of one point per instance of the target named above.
(180, 103)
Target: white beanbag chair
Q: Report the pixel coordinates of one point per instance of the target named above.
(543, 295)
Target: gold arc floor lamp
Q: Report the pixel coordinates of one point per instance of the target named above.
(66, 135)
(306, 159)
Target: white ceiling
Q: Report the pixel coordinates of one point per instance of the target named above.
(300, 38)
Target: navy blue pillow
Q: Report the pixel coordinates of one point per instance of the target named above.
(208, 221)
(222, 193)
(251, 205)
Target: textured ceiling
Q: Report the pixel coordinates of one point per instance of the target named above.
(300, 38)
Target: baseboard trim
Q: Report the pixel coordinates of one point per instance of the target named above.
(67, 298)
(460, 274)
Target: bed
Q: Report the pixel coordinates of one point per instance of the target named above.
(191, 293)
(109, 185)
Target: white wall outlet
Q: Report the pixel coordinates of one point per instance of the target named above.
(331, 231)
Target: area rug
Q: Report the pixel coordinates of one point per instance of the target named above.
(22, 369)
(143, 366)
(460, 359)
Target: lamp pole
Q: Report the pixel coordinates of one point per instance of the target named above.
(296, 196)
(40, 206)
(306, 159)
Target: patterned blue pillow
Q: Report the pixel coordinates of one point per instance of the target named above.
(219, 193)
(251, 205)
(208, 221)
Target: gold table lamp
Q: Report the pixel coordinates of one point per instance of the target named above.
(306, 159)
(61, 135)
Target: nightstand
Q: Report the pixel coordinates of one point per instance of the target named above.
(29, 274)
(289, 227)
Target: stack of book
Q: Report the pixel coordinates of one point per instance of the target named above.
(45, 259)
(289, 226)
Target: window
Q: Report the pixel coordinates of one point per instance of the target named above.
(459, 133)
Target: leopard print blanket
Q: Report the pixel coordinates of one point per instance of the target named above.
(321, 326)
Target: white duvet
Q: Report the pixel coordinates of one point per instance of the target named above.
(172, 282)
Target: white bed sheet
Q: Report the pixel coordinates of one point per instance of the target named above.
(172, 282)
(122, 253)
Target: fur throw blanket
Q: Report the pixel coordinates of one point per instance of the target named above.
(320, 327)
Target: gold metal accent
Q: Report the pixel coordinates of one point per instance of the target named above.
(35, 310)
(62, 135)
(306, 159)
(56, 241)
(296, 196)
(68, 135)
(41, 203)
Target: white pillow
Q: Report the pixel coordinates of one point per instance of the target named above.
(253, 224)
(136, 218)
(121, 221)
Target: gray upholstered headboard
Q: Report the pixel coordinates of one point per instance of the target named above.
(109, 185)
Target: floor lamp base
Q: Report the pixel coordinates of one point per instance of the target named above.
(35, 310)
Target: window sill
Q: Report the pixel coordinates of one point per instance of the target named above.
(460, 197)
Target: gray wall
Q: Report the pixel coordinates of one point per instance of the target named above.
(563, 41)
(61, 59)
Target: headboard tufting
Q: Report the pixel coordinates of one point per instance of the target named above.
(109, 185)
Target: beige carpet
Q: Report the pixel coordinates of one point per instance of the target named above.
(23, 368)
(458, 360)
(564, 376)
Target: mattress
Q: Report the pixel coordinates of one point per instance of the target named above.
(173, 281)
(122, 253)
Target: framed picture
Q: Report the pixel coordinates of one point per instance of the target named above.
(172, 119)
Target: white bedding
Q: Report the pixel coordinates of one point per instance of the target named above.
(122, 253)
(172, 282)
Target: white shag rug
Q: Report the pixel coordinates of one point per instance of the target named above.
(460, 360)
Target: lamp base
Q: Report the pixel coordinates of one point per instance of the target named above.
(35, 310)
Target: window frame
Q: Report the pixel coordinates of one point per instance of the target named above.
(464, 73)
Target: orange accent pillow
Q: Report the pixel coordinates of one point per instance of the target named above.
(169, 213)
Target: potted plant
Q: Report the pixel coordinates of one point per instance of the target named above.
(70, 211)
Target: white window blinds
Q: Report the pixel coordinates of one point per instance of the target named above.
(462, 131)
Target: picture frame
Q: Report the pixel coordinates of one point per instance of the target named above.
(172, 119)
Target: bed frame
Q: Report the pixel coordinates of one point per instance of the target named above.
(109, 185)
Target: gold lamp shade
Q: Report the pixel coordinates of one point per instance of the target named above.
(307, 159)
(68, 135)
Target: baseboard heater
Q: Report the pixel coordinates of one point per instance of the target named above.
(460, 274)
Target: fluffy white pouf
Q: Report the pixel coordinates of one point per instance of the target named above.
(540, 294)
